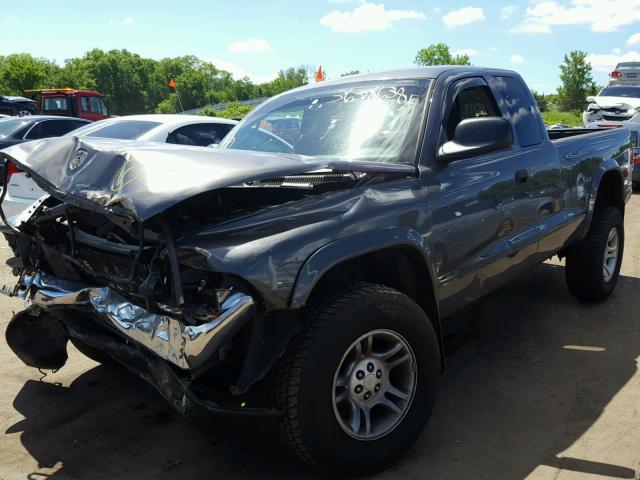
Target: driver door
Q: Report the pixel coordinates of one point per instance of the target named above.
(484, 206)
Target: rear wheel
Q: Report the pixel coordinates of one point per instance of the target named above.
(593, 264)
(359, 384)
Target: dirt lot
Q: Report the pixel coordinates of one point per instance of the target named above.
(536, 386)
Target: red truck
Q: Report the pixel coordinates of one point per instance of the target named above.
(87, 104)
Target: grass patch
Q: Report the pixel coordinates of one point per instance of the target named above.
(573, 119)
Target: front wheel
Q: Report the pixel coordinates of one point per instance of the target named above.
(359, 384)
(593, 265)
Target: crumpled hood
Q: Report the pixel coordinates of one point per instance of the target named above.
(148, 178)
(624, 103)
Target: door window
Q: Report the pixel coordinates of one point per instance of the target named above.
(471, 102)
(520, 104)
(84, 104)
(51, 128)
(201, 135)
(96, 105)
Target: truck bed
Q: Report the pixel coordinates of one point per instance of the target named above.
(557, 134)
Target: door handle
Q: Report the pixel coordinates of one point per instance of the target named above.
(522, 176)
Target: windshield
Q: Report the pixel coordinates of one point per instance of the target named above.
(628, 65)
(633, 92)
(10, 125)
(375, 121)
(122, 129)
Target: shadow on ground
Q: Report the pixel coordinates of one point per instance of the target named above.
(529, 370)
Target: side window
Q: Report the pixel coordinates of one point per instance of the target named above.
(96, 104)
(34, 133)
(199, 135)
(84, 104)
(522, 110)
(105, 112)
(55, 128)
(475, 101)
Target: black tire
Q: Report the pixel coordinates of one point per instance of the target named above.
(93, 353)
(584, 265)
(305, 378)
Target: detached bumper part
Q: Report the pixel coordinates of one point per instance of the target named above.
(186, 346)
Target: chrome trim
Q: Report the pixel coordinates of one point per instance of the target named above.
(186, 346)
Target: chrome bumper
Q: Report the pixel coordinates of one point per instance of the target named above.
(186, 346)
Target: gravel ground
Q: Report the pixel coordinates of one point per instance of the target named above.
(536, 386)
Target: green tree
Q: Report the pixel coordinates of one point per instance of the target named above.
(124, 78)
(439, 54)
(577, 82)
(21, 71)
(352, 72)
(233, 110)
(542, 100)
(286, 80)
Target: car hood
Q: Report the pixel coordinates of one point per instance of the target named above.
(617, 102)
(144, 179)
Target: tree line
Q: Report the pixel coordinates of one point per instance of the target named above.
(135, 84)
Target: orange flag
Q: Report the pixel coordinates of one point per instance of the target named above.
(319, 74)
(172, 84)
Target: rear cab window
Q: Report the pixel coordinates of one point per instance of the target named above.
(523, 112)
(55, 104)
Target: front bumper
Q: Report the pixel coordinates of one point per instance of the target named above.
(159, 349)
(186, 346)
(606, 115)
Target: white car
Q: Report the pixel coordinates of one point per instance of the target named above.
(193, 130)
(616, 103)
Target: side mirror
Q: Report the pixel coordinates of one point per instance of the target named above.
(474, 136)
(591, 99)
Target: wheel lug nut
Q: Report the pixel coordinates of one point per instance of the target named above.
(377, 387)
(358, 389)
(379, 373)
(367, 395)
(370, 367)
(359, 374)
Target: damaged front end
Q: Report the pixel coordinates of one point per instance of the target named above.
(159, 257)
(86, 280)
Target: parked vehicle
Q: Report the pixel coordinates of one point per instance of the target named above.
(615, 103)
(178, 129)
(557, 126)
(69, 102)
(34, 127)
(634, 127)
(21, 191)
(625, 73)
(17, 106)
(320, 267)
(196, 130)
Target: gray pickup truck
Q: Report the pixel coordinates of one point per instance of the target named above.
(301, 274)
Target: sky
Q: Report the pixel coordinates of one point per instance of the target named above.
(259, 37)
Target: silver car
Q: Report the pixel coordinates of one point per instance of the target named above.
(625, 73)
